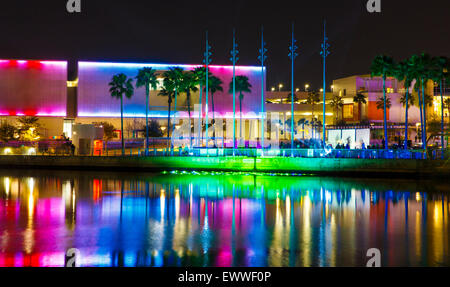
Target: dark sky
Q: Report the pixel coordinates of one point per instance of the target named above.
(166, 31)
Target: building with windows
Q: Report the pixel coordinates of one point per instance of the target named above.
(307, 117)
(368, 116)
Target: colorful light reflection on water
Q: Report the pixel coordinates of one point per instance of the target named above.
(220, 220)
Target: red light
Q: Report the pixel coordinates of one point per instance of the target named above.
(97, 189)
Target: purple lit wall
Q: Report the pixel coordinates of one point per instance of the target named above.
(33, 88)
(94, 99)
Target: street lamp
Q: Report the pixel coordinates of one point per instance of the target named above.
(332, 88)
(297, 90)
(306, 87)
(273, 89)
(280, 86)
(321, 90)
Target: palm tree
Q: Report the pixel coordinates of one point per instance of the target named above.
(440, 67)
(315, 123)
(173, 79)
(242, 86)
(120, 86)
(422, 70)
(189, 83)
(404, 73)
(360, 99)
(447, 105)
(214, 85)
(381, 102)
(146, 78)
(168, 92)
(407, 101)
(383, 66)
(312, 99)
(303, 122)
(200, 75)
(336, 103)
(288, 98)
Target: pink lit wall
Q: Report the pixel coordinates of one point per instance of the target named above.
(33, 88)
(94, 99)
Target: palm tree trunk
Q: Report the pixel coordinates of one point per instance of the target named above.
(121, 125)
(168, 119)
(386, 141)
(146, 119)
(214, 118)
(199, 133)
(360, 111)
(303, 128)
(406, 120)
(188, 99)
(424, 106)
(174, 117)
(442, 120)
(420, 109)
(240, 116)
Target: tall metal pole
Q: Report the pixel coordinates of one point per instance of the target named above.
(324, 52)
(262, 57)
(207, 61)
(234, 58)
(199, 133)
(292, 54)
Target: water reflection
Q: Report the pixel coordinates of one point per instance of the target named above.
(220, 220)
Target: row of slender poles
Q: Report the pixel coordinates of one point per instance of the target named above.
(262, 58)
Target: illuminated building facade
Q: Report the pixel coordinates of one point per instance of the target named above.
(41, 88)
(360, 116)
(37, 88)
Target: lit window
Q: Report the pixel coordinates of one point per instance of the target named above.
(348, 111)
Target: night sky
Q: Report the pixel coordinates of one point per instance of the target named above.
(174, 31)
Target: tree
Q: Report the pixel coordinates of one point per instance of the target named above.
(422, 70)
(316, 123)
(7, 131)
(167, 91)
(200, 76)
(189, 83)
(155, 129)
(214, 85)
(242, 86)
(303, 122)
(336, 103)
(439, 72)
(28, 128)
(120, 86)
(383, 66)
(312, 99)
(447, 105)
(108, 130)
(173, 84)
(381, 103)
(359, 99)
(403, 72)
(146, 78)
(288, 99)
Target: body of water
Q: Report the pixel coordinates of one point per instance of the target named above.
(220, 219)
